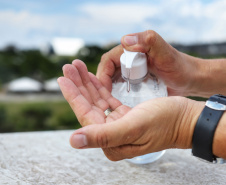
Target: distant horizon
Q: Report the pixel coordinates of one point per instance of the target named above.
(30, 24)
(112, 43)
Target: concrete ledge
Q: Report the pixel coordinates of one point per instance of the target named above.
(46, 158)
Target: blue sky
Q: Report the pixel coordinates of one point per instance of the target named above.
(33, 23)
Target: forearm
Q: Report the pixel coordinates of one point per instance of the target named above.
(209, 77)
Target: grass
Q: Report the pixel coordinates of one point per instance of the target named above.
(36, 116)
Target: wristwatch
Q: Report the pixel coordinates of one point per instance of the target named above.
(206, 125)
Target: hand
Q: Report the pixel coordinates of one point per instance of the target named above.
(176, 69)
(87, 96)
(152, 126)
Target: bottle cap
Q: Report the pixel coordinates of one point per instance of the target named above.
(133, 65)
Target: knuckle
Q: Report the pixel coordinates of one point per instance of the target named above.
(104, 57)
(112, 155)
(113, 158)
(150, 37)
(83, 120)
(106, 66)
(102, 140)
(102, 63)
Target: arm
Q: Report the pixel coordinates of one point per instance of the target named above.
(210, 78)
(125, 138)
(184, 75)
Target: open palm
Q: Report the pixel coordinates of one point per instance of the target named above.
(87, 96)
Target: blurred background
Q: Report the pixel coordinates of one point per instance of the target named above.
(38, 37)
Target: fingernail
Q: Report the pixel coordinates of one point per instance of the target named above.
(130, 40)
(78, 141)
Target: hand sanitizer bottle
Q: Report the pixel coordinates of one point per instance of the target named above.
(133, 84)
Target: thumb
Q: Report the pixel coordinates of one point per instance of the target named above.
(101, 136)
(144, 42)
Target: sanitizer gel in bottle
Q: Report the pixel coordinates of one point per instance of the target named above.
(133, 85)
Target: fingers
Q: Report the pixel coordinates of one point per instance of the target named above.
(83, 71)
(148, 42)
(104, 93)
(78, 73)
(107, 66)
(102, 135)
(72, 73)
(115, 138)
(161, 56)
(71, 93)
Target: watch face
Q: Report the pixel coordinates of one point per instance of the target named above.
(215, 105)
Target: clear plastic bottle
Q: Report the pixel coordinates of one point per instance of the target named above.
(132, 84)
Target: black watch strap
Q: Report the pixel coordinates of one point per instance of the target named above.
(206, 125)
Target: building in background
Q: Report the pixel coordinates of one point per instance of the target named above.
(203, 50)
(63, 46)
(52, 86)
(24, 85)
(28, 85)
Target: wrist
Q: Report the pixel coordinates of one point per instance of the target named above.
(190, 112)
(208, 137)
(207, 77)
(202, 79)
(196, 80)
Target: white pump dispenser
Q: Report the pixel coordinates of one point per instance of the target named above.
(129, 57)
(134, 62)
(132, 84)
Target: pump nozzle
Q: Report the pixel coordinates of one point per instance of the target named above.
(133, 65)
(129, 58)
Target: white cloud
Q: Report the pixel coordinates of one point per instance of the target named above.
(29, 29)
(195, 22)
(118, 13)
(186, 21)
(176, 20)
